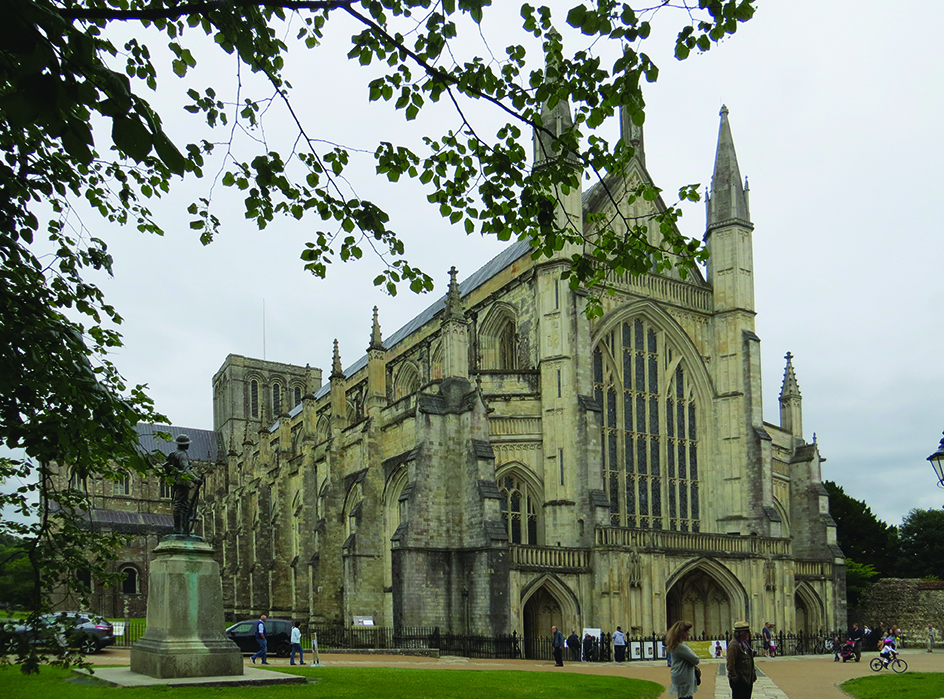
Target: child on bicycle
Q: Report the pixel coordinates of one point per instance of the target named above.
(887, 649)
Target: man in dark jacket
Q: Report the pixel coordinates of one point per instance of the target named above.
(557, 640)
(573, 642)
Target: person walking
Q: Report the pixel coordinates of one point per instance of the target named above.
(261, 640)
(740, 662)
(930, 637)
(767, 637)
(856, 636)
(686, 676)
(297, 646)
(557, 640)
(619, 644)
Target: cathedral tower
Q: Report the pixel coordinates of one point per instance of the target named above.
(737, 369)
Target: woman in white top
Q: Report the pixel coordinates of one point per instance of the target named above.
(684, 660)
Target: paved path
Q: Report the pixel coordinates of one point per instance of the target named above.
(805, 677)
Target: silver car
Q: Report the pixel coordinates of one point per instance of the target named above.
(80, 630)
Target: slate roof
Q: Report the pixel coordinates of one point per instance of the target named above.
(203, 446)
(133, 520)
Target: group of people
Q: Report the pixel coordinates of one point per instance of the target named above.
(263, 641)
(590, 646)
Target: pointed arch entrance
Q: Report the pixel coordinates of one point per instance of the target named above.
(547, 602)
(708, 595)
(809, 611)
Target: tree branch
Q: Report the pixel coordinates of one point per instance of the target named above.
(198, 8)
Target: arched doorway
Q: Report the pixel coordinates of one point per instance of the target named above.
(709, 599)
(809, 615)
(541, 612)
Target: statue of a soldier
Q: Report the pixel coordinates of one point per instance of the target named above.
(178, 471)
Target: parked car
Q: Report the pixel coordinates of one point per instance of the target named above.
(278, 635)
(80, 630)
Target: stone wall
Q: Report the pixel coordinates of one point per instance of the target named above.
(910, 604)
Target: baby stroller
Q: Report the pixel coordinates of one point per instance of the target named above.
(847, 652)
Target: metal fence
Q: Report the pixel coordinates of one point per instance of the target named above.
(359, 638)
(133, 629)
(406, 638)
(594, 649)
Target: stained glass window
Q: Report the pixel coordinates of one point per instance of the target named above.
(650, 435)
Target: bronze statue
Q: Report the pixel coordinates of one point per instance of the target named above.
(178, 471)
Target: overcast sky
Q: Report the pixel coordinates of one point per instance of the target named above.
(835, 109)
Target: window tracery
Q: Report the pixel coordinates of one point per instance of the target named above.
(650, 429)
(518, 509)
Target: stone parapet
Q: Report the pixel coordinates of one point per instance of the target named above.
(691, 541)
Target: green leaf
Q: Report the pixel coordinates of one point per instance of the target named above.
(576, 16)
(131, 137)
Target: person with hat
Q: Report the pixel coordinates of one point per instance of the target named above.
(179, 473)
(741, 672)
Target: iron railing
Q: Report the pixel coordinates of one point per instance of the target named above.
(361, 638)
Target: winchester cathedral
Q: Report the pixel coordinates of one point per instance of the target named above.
(502, 463)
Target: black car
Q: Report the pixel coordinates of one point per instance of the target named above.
(80, 630)
(278, 635)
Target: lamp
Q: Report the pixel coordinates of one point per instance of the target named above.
(937, 461)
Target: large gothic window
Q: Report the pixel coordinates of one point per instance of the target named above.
(650, 433)
(519, 511)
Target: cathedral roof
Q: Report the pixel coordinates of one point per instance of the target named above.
(203, 443)
(133, 522)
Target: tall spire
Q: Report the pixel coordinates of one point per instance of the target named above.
(455, 333)
(337, 371)
(376, 369)
(728, 201)
(790, 388)
(376, 339)
(454, 307)
(791, 402)
(555, 120)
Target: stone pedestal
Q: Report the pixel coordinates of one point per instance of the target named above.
(185, 634)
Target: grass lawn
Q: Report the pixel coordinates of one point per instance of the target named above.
(353, 683)
(908, 685)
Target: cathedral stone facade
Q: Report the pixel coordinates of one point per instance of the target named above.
(503, 464)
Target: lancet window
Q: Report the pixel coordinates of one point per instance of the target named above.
(276, 400)
(519, 511)
(650, 429)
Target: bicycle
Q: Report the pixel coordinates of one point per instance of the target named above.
(897, 664)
